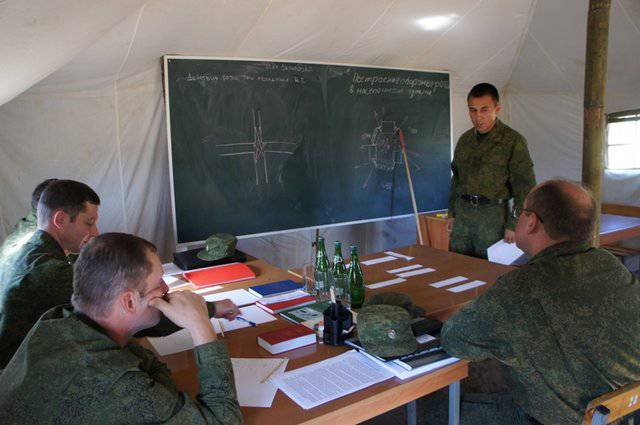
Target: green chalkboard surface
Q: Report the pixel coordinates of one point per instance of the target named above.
(260, 146)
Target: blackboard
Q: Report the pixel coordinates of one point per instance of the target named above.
(260, 146)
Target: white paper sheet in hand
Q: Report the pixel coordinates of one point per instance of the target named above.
(249, 373)
(331, 379)
(182, 341)
(239, 297)
(504, 253)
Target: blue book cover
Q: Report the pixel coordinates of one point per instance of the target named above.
(275, 288)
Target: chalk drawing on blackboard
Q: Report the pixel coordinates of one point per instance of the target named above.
(259, 148)
(383, 148)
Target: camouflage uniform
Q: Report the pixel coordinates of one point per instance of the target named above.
(34, 279)
(565, 327)
(21, 232)
(497, 166)
(69, 371)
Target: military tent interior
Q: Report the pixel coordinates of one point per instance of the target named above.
(81, 92)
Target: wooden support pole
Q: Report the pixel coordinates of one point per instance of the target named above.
(595, 80)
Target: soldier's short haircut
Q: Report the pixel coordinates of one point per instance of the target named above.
(66, 195)
(37, 192)
(107, 266)
(484, 89)
(565, 215)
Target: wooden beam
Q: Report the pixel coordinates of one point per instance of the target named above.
(595, 80)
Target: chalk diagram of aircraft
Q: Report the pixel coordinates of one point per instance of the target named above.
(259, 148)
(384, 148)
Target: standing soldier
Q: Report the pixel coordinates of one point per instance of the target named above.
(491, 165)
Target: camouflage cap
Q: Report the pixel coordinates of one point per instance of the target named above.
(217, 246)
(385, 331)
(397, 299)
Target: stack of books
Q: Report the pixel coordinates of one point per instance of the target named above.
(280, 296)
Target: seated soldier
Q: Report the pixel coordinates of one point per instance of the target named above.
(26, 226)
(78, 364)
(565, 326)
(38, 275)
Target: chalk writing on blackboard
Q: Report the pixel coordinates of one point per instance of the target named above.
(258, 148)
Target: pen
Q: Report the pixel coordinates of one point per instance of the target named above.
(242, 319)
(220, 324)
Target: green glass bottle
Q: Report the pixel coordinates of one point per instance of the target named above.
(356, 279)
(322, 269)
(340, 276)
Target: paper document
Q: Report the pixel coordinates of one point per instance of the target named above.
(386, 283)
(207, 289)
(170, 269)
(377, 260)
(416, 272)
(182, 341)
(448, 282)
(249, 375)
(405, 269)
(395, 254)
(239, 297)
(313, 385)
(504, 253)
(467, 286)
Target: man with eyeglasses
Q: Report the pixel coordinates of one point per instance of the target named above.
(491, 166)
(565, 327)
(78, 364)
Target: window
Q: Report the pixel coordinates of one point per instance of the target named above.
(623, 140)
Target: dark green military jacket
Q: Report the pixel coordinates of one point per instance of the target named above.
(496, 167)
(68, 371)
(34, 279)
(566, 327)
(19, 235)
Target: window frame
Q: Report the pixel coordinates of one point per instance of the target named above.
(618, 117)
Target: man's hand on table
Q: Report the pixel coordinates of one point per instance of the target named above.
(509, 236)
(226, 309)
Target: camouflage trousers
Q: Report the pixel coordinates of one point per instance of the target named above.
(477, 227)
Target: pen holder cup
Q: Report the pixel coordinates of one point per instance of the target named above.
(338, 324)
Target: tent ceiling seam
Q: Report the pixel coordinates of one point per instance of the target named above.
(375, 22)
(246, 37)
(133, 38)
(119, 152)
(550, 59)
(483, 64)
(437, 40)
(516, 57)
(295, 46)
(626, 14)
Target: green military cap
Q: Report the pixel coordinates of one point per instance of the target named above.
(397, 299)
(385, 331)
(217, 246)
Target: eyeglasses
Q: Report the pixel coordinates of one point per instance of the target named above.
(517, 211)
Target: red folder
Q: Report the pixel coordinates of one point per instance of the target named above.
(219, 275)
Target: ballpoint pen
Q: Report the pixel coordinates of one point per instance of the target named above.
(242, 319)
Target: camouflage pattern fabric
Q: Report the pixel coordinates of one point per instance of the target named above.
(68, 371)
(398, 299)
(34, 279)
(20, 234)
(565, 327)
(217, 246)
(385, 330)
(477, 228)
(496, 167)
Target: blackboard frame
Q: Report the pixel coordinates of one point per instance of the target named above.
(166, 93)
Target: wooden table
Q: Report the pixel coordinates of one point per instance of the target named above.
(614, 228)
(374, 400)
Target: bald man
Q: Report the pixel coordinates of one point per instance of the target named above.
(565, 326)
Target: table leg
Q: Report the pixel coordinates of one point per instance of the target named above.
(454, 403)
(411, 413)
